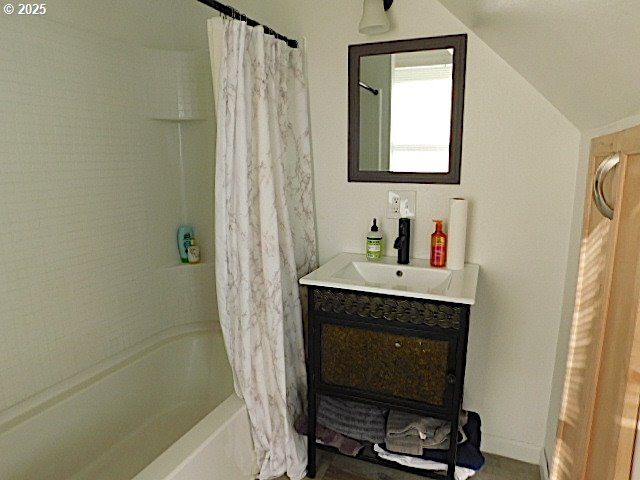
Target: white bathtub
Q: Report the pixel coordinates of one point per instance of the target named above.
(162, 410)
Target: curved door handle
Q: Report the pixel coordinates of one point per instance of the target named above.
(598, 194)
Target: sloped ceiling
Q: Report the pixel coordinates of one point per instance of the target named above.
(582, 55)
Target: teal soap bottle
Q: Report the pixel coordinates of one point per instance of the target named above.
(185, 235)
(374, 243)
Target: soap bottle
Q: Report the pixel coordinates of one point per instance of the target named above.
(438, 246)
(374, 243)
(185, 234)
(193, 252)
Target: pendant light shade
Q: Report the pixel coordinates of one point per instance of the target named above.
(374, 18)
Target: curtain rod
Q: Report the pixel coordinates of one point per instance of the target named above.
(367, 87)
(233, 13)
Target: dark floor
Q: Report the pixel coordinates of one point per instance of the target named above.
(338, 467)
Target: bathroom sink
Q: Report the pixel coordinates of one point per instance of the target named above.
(404, 277)
(351, 271)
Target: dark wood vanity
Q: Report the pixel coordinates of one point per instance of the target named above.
(396, 352)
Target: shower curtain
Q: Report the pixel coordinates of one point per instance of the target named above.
(265, 233)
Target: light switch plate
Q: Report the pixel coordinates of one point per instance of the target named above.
(401, 204)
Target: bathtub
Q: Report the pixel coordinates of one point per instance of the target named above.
(164, 409)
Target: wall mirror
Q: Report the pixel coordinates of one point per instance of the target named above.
(406, 101)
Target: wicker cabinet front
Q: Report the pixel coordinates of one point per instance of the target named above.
(401, 366)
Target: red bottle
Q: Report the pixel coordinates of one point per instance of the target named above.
(438, 246)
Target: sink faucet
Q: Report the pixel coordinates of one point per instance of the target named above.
(403, 240)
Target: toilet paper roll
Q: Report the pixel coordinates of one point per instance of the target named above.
(457, 236)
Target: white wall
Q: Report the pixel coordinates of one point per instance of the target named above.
(91, 193)
(518, 171)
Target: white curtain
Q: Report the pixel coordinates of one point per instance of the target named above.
(265, 234)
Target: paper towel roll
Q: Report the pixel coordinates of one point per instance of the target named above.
(457, 236)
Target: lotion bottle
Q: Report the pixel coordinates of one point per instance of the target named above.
(185, 234)
(438, 246)
(374, 243)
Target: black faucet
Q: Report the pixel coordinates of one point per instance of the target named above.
(403, 240)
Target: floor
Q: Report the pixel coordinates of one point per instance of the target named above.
(338, 467)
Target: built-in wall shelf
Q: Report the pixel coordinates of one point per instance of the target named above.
(183, 266)
(194, 119)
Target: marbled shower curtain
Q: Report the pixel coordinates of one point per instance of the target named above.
(265, 235)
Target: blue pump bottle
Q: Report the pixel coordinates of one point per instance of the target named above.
(185, 235)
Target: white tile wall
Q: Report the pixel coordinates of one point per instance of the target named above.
(177, 91)
(90, 199)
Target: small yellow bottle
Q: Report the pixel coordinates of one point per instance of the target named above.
(375, 248)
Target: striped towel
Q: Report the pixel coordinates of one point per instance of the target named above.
(352, 419)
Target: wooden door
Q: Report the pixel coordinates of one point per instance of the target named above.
(598, 418)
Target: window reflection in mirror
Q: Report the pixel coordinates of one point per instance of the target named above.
(420, 111)
(407, 117)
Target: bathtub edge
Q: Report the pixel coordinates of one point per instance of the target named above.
(57, 392)
(181, 457)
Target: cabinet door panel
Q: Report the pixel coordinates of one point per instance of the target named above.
(402, 366)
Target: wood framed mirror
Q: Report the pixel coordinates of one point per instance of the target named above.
(406, 105)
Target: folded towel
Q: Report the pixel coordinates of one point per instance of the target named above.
(353, 419)
(326, 436)
(469, 454)
(461, 473)
(409, 433)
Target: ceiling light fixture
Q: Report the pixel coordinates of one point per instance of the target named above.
(374, 18)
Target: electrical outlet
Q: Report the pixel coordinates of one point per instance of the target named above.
(401, 204)
(395, 204)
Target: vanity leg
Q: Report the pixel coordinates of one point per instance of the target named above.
(312, 363)
(311, 437)
(453, 447)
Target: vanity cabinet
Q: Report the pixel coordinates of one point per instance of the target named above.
(395, 352)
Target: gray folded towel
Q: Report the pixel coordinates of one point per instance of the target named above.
(326, 436)
(409, 433)
(353, 419)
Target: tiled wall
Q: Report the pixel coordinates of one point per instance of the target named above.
(91, 193)
(177, 89)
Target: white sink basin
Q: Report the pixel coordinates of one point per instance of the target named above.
(405, 277)
(351, 271)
